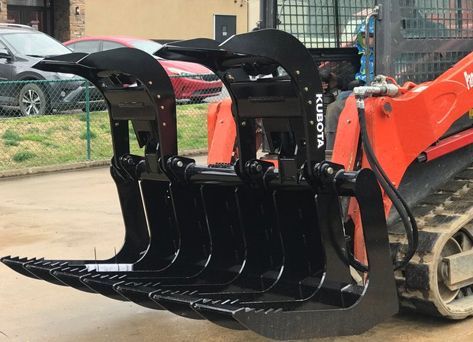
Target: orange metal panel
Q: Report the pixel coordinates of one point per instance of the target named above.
(223, 135)
(401, 128)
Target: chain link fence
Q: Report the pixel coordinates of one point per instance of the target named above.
(54, 122)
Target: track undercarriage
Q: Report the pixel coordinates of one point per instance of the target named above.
(438, 280)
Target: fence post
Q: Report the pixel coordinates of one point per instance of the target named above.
(87, 117)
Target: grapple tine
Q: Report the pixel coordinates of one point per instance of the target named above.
(182, 216)
(139, 293)
(42, 270)
(18, 264)
(164, 235)
(217, 312)
(175, 302)
(71, 275)
(104, 285)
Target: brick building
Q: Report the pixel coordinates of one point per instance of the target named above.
(160, 20)
(60, 18)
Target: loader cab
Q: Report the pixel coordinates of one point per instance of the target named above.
(404, 33)
(406, 30)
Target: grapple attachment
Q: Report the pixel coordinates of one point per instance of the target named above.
(256, 245)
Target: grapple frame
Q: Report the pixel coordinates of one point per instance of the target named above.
(249, 245)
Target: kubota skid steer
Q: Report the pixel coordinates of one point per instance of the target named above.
(247, 246)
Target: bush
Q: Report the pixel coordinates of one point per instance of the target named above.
(11, 135)
(11, 142)
(22, 156)
(34, 137)
(83, 135)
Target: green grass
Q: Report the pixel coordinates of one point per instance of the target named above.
(7, 142)
(61, 138)
(34, 137)
(21, 156)
(92, 135)
(11, 135)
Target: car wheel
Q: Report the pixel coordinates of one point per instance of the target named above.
(32, 100)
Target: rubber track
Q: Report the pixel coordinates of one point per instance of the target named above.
(439, 217)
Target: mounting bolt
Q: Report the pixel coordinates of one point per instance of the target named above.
(348, 121)
(179, 163)
(329, 170)
(158, 96)
(306, 89)
(298, 72)
(230, 77)
(162, 107)
(164, 124)
(311, 122)
(150, 82)
(254, 167)
(243, 123)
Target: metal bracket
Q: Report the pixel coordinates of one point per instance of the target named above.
(457, 271)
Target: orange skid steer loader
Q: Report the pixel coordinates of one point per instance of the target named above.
(297, 247)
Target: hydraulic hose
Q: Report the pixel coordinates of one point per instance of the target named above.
(398, 201)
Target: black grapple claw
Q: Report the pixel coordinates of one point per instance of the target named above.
(251, 245)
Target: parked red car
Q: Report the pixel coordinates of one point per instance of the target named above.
(191, 81)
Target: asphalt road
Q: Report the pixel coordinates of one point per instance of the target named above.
(67, 215)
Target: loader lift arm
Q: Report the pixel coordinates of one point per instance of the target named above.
(414, 123)
(248, 245)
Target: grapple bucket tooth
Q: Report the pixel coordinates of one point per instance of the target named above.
(70, 275)
(42, 269)
(218, 312)
(139, 293)
(254, 245)
(18, 264)
(175, 302)
(103, 284)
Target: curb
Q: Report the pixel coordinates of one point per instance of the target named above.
(72, 167)
(53, 168)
